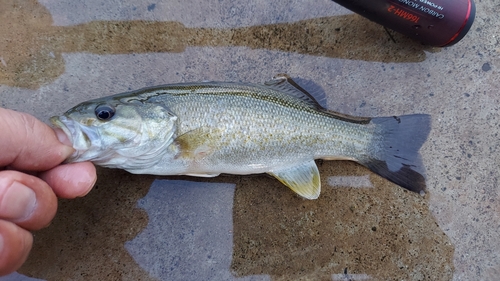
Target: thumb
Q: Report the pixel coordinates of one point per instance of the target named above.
(29, 144)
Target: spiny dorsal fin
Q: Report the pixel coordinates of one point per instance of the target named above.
(302, 179)
(285, 84)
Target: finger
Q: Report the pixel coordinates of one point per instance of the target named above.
(15, 245)
(29, 144)
(71, 180)
(26, 200)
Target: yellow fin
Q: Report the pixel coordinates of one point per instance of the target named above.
(303, 179)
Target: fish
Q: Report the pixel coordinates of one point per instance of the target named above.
(206, 129)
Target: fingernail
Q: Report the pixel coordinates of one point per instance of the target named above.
(62, 137)
(19, 202)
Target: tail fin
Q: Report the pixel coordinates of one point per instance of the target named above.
(396, 156)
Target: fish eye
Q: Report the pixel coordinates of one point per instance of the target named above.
(104, 112)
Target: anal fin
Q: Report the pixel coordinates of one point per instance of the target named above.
(302, 179)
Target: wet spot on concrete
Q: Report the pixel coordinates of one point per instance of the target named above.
(486, 67)
(384, 232)
(41, 62)
(93, 227)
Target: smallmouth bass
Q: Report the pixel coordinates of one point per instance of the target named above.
(208, 128)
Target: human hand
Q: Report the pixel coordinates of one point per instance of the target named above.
(30, 179)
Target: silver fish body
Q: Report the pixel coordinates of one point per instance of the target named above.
(205, 129)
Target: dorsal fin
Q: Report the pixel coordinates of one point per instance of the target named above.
(314, 89)
(285, 84)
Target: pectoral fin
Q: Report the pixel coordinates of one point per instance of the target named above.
(302, 179)
(199, 143)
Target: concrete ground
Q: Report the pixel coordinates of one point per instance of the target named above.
(57, 53)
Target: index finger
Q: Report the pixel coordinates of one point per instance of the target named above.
(29, 144)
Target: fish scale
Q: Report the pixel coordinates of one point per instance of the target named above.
(296, 135)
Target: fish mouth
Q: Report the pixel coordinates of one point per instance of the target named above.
(63, 123)
(78, 138)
